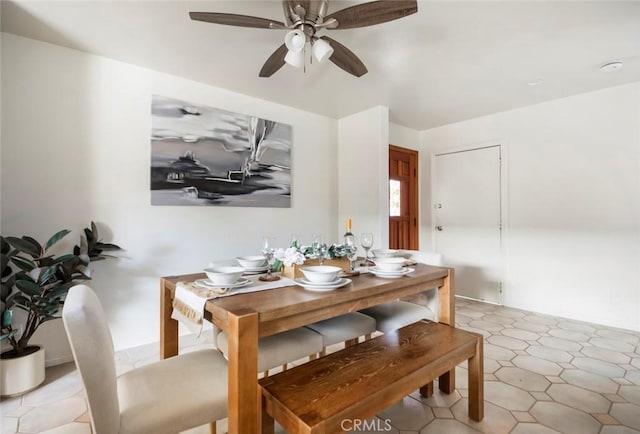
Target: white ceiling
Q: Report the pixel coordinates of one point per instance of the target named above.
(450, 62)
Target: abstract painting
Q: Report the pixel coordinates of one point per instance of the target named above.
(207, 156)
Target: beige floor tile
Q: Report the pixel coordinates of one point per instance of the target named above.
(633, 376)
(523, 416)
(576, 327)
(70, 428)
(619, 335)
(630, 393)
(486, 325)
(447, 426)
(442, 413)
(509, 313)
(606, 355)
(523, 379)
(84, 417)
(581, 399)
(569, 335)
(507, 396)
(499, 319)
(408, 414)
(539, 366)
(541, 319)
(614, 397)
(438, 399)
(523, 335)
(626, 414)
(564, 419)
(598, 367)
(497, 353)
(531, 326)
(533, 428)
(618, 429)
(605, 419)
(496, 419)
(52, 415)
(560, 344)
(9, 425)
(507, 342)
(67, 383)
(550, 354)
(612, 344)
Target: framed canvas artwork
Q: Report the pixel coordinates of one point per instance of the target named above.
(207, 156)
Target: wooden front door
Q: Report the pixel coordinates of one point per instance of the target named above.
(403, 198)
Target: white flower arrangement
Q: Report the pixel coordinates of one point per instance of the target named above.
(290, 256)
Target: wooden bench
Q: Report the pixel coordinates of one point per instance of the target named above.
(328, 394)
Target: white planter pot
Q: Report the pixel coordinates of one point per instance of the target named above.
(22, 374)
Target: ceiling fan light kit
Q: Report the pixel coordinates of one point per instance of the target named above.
(295, 58)
(304, 18)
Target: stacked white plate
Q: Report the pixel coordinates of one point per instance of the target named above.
(325, 286)
(391, 274)
(206, 283)
(255, 270)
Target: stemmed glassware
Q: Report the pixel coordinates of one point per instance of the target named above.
(319, 248)
(268, 250)
(351, 245)
(366, 241)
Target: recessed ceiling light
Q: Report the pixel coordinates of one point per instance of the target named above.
(536, 82)
(612, 66)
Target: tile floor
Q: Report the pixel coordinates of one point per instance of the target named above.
(542, 375)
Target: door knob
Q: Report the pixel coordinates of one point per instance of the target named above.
(439, 228)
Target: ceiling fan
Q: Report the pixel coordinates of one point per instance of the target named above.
(304, 18)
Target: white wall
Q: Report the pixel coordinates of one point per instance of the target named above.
(573, 181)
(364, 174)
(76, 148)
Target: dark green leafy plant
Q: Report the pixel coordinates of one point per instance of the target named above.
(37, 282)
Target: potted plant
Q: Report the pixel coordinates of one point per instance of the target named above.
(36, 281)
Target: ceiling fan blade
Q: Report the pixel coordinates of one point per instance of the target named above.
(274, 62)
(345, 59)
(235, 20)
(375, 12)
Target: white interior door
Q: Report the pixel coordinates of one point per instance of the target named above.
(468, 226)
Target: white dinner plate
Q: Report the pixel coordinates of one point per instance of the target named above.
(391, 274)
(306, 281)
(255, 269)
(320, 287)
(206, 283)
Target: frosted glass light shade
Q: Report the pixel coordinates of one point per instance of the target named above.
(295, 58)
(295, 40)
(321, 50)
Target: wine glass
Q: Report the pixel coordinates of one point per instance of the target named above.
(268, 250)
(366, 241)
(351, 245)
(319, 248)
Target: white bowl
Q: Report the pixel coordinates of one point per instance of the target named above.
(389, 264)
(321, 273)
(224, 275)
(384, 253)
(252, 261)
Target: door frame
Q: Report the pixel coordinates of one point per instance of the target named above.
(414, 238)
(504, 196)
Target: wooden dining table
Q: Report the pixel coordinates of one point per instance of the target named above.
(250, 316)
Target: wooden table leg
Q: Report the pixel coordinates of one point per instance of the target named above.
(168, 326)
(447, 315)
(244, 398)
(476, 383)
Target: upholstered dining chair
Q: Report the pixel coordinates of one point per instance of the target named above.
(399, 313)
(168, 396)
(345, 328)
(279, 349)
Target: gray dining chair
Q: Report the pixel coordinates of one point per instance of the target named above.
(167, 396)
(345, 329)
(396, 314)
(280, 349)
